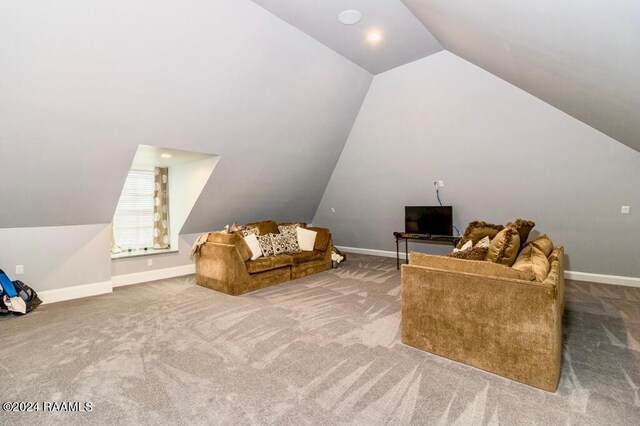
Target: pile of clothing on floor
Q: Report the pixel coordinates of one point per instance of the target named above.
(16, 297)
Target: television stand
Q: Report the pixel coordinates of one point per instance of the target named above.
(426, 238)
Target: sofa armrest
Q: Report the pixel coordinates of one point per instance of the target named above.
(510, 327)
(221, 267)
(322, 238)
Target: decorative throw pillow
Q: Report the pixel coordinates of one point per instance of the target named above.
(504, 247)
(294, 247)
(532, 259)
(554, 273)
(473, 267)
(475, 253)
(254, 246)
(483, 243)
(266, 246)
(466, 246)
(249, 231)
(544, 243)
(303, 224)
(477, 230)
(306, 238)
(556, 254)
(265, 226)
(284, 243)
(288, 229)
(523, 227)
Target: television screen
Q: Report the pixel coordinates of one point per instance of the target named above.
(437, 220)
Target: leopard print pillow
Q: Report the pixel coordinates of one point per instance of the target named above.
(285, 243)
(265, 245)
(475, 253)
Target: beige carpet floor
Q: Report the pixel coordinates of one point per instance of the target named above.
(324, 349)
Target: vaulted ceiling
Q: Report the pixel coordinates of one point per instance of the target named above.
(404, 38)
(581, 57)
(84, 83)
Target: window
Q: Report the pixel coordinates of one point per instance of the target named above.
(133, 222)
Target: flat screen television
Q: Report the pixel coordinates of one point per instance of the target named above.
(432, 220)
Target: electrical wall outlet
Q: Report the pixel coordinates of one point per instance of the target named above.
(19, 269)
(625, 209)
(440, 183)
(149, 262)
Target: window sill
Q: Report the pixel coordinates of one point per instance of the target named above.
(141, 253)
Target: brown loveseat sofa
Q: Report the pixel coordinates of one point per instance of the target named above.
(486, 315)
(224, 263)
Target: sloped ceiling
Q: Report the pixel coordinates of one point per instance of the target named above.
(404, 38)
(581, 57)
(84, 83)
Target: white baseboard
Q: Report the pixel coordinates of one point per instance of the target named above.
(372, 252)
(571, 275)
(153, 275)
(95, 289)
(602, 279)
(75, 292)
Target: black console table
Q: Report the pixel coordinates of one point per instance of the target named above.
(425, 238)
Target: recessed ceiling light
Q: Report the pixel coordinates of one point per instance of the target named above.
(374, 37)
(165, 155)
(349, 17)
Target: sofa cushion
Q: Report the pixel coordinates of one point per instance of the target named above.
(268, 263)
(322, 239)
(266, 245)
(504, 247)
(265, 227)
(477, 230)
(523, 227)
(306, 256)
(284, 243)
(532, 259)
(468, 266)
(544, 243)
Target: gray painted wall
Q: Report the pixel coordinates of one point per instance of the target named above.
(582, 57)
(502, 153)
(186, 182)
(57, 256)
(83, 83)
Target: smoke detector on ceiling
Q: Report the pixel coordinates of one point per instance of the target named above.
(349, 17)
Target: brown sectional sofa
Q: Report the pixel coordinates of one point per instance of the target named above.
(224, 263)
(487, 315)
